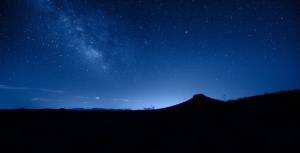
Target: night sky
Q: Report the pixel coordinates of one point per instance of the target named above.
(138, 53)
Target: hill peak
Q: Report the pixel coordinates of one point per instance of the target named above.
(199, 96)
(198, 102)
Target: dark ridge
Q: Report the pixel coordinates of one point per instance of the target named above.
(278, 100)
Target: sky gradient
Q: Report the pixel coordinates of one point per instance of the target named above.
(134, 54)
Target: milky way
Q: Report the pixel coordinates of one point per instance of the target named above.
(89, 35)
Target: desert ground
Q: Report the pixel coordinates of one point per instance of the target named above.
(263, 123)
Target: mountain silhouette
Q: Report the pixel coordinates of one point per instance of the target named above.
(199, 102)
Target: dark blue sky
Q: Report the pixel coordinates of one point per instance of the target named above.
(134, 54)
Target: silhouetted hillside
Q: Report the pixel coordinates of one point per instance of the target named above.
(263, 123)
(201, 103)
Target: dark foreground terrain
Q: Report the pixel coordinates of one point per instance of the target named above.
(265, 123)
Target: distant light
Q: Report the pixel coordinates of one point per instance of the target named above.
(97, 98)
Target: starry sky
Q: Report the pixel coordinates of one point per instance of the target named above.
(140, 53)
